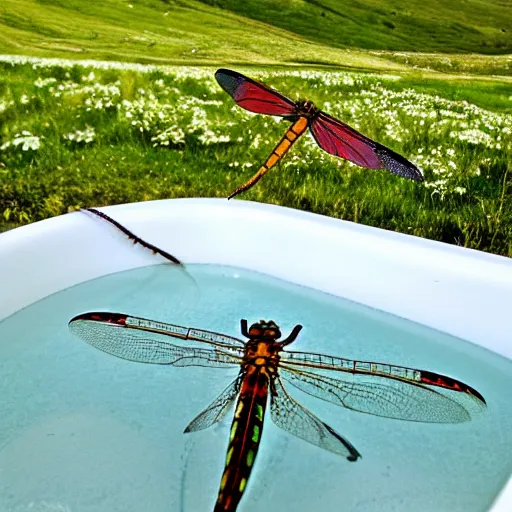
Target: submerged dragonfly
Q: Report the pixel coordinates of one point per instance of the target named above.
(374, 388)
(333, 136)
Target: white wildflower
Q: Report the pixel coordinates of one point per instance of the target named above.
(82, 136)
(26, 140)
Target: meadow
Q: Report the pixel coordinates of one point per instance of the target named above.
(458, 35)
(76, 135)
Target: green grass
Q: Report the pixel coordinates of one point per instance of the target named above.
(157, 32)
(468, 64)
(183, 138)
(320, 33)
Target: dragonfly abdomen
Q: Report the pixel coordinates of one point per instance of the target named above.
(244, 438)
(289, 138)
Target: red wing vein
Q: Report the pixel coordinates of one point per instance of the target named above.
(382, 396)
(148, 347)
(346, 143)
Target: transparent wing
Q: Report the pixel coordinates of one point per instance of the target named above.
(289, 415)
(382, 390)
(145, 341)
(216, 410)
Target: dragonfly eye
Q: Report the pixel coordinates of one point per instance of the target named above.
(265, 329)
(272, 334)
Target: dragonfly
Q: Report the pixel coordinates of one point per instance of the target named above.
(264, 364)
(333, 136)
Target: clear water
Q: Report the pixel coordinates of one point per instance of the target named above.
(83, 431)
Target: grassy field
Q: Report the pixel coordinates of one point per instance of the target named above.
(72, 136)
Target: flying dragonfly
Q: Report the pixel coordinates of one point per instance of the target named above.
(333, 136)
(373, 388)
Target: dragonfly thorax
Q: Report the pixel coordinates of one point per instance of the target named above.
(306, 108)
(261, 352)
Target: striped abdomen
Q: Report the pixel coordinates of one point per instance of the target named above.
(289, 138)
(244, 438)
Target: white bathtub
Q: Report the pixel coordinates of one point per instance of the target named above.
(462, 292)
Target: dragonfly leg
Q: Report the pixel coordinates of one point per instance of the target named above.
(243, 327)
(293, 335)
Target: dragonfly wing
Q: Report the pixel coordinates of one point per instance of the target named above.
(341, 140)
(289, 415)
(108, 332)
(254, 96)
(134, 323)
(384, 396)
(216, 410)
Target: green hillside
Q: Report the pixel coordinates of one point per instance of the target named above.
(483, 26)
(153, 31)
(264, 32)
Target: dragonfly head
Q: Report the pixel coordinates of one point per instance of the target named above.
(306, 108)
(266, 330)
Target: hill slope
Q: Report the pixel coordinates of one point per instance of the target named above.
(483, 26)
(153, 31)
(260, 32)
